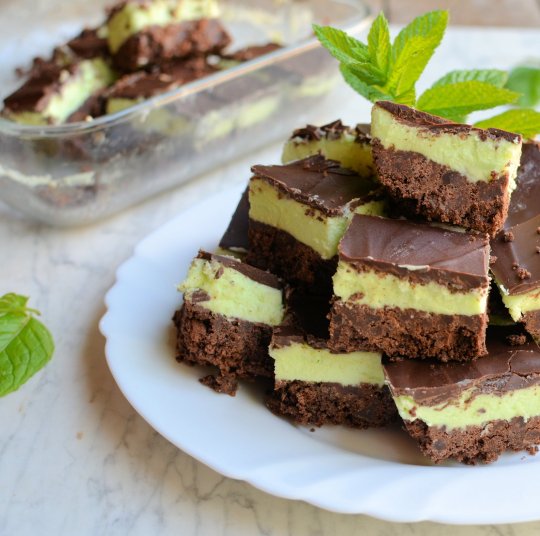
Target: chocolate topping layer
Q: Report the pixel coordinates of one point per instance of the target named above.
(525, 200)
(517, 266)
(35, 93)
(438, 125)
(142, 85)
(363, 132)
(89, 45)
(252, 52)
(507, 367)
(236, 235)
(170, 75)
(316, 181)
(306, 321)
(457, 260)
(330, 131)
(259, 276)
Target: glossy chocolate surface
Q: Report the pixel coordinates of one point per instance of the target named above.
(438, 125)
(236, 235)
(513, 362)
(421, 252)
(259, 276)
(517, 257)
(525, 200)
(317, 182)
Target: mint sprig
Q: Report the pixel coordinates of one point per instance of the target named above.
(382, 70)
(523, 121)
(26, 345)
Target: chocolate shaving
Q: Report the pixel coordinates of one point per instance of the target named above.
(508, 236)
(516, 340)
(523, 273)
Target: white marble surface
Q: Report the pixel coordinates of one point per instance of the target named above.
(75, 459)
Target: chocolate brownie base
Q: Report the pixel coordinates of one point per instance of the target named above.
(406, 332)
(237, 348)
(532, 324)
(476, 444)
(298, 264)
(306, 403)
(440, 194)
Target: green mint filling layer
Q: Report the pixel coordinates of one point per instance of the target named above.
(159, 119)
(519, 304)
(304, 363)
(310, 226)
(471, 410)
(315, 86)
(476, 159)
(378, 290)
(90, 76)
(232, 294)
(136, 16)
(348, 152)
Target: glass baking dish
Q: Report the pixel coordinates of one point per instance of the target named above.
(81, 172)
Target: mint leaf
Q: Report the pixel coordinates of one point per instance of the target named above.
(455, 101)
(521, 121)
(358, 83)
(490, 76)
(10, 303)
(525, 80)
(411, 52)
(25, 343)
(379, 46)
(343, 47)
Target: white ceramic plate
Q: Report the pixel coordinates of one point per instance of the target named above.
(379, 473)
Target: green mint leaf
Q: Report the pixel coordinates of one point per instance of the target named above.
(10, 303)
(367, 72)
(343, 47)
(525, 80)
(490, 76)
(379, 45)
(456, 101)
(411, 52)
(520, 120)
(358, 83)
(25, 343)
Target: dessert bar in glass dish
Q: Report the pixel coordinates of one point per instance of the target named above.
(77, 173)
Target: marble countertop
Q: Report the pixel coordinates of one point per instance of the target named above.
(75, 458)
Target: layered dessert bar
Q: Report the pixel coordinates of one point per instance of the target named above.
(146, 33)
(235, 240)
(525, 200)
(53, 91)
(410, 290)
(298, 214)
(314, 386)
(130, 17)
(474, 411)
(516, 269)
(444, 171)
(226, 319)
(351, 147)
(516, 249)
